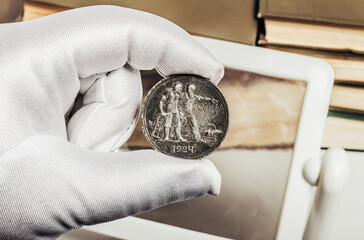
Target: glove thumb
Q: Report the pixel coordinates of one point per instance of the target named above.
(49, 186)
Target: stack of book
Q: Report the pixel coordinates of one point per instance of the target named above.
(333, 31)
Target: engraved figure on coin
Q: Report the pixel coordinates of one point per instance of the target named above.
(185, 116)
(168, 106)
(186, 109)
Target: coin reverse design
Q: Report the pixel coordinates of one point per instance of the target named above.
(185, 116)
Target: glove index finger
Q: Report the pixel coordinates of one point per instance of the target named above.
(154, 42)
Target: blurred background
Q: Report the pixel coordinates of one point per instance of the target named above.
(11, 11)
(254, 158)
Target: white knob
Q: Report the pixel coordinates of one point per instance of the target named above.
(311, 170)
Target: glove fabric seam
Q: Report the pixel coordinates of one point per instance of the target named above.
(96, 108)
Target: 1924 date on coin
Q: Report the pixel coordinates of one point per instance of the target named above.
(185, 116)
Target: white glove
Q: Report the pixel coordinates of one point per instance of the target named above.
(51, 180)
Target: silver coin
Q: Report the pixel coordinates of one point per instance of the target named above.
(185, 116)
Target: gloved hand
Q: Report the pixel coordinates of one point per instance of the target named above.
(56, 177)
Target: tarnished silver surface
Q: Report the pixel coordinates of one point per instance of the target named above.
(185, 116)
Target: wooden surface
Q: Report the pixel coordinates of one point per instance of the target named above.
(34, 10)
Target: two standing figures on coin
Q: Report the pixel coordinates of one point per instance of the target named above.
(185, 116)
(176, 105)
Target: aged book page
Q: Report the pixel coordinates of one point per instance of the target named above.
(343, 132)
(347, 99)
(348, 67)
(311, 35)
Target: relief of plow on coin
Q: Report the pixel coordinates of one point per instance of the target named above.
(185, 116)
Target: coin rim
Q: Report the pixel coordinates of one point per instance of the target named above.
(144, 124)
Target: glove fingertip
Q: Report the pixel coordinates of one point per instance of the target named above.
(218, 74)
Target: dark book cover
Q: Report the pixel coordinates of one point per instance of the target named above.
(348, 12)
(232, 20)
